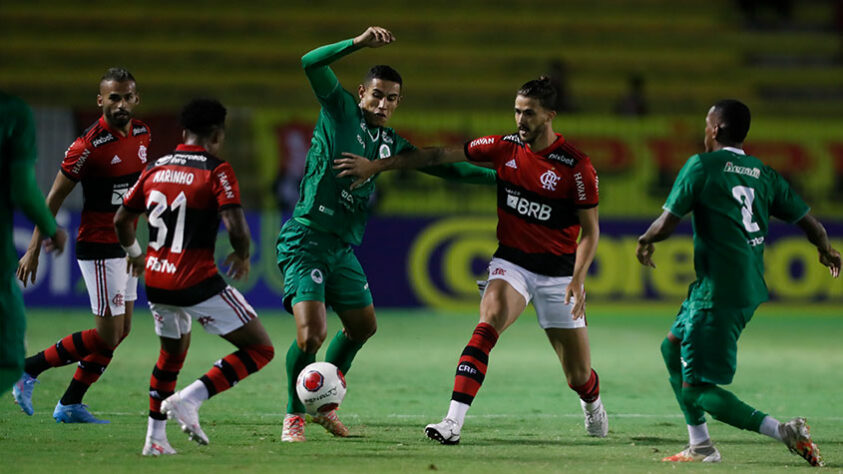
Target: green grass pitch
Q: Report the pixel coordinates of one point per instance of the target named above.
(525, 419)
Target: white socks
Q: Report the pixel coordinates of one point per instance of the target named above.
(698, 434)
(156, 429)
(770, 427)
(457, 411)
(195, 393)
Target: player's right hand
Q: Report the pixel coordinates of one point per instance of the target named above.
(831, 259)
(28, 266)
(238, 268)
(374, 37)
(644, 253)
(136, 265)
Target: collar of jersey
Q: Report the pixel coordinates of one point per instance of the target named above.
(734, 150)
(556, 143)
(117, 134)
(195, 148)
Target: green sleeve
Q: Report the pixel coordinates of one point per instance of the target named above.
(465, 172)
(24, 188)
(322, 79)
(686, 188)
(787, 205)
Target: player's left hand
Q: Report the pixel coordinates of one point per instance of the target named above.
(355, 165)
(575, 292)
(238, 268)
(136, 265)
(644, 253)
(831, 259)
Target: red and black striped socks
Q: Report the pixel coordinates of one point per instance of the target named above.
(589, 391)
(71, 348)
(471, 369)
(162, 384)
(235, 367)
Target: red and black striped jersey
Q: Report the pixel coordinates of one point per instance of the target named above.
(539, 194)
(107, 163)
(182, 195)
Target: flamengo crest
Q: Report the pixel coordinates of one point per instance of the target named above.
(549, 180)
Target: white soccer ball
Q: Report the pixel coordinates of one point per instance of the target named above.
(321, 387)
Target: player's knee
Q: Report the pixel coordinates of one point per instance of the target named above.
(577, 375)
(362, 334)
(311, 341)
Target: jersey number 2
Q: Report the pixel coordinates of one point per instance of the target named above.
(179, 205)
(745, 195)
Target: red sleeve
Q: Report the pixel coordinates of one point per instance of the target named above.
(75, 159)
(585, 184)
(134, 197)
(485, 149)
(226, 189)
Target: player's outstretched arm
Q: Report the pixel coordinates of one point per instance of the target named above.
(124, 225)
(234, 221)
(816, 234)
(315, 63)
(363, 169)
(28, 263)
(659, 230)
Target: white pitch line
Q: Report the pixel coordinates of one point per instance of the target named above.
(407, 416)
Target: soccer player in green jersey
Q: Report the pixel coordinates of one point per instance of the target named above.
(732, 196)
(314, 247)
(18, 188)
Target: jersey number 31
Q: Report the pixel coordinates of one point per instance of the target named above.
(179, 205)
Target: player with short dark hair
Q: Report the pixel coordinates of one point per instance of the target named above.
(314, 246)
(185, 195)
(107, 159)
(732, 196)
(547, 197)
(18, 188)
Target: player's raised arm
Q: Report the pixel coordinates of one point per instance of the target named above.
(315, 63)
(816, 234)
(363, 169)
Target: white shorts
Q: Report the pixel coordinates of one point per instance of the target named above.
(110, 285)
(546, 293)
(220, 314)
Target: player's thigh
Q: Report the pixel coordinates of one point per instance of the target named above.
(347, 288)
(107, 281)
(170, 321)
(549, 301)
(506, 295)
(250, 334)
(710, 344)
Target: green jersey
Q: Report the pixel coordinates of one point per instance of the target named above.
(17, 176)
(732, 196)
(325, 201)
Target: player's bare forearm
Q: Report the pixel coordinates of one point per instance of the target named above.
(62, 186)
(817, 235)
(660, 229)
(587, 246)
(124, 220)
(234, 221)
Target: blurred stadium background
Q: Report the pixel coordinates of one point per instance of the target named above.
(637, 77)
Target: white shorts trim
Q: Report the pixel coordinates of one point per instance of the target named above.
(545, 292)
(110, 285)
(220, 314)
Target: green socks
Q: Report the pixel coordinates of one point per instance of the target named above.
(341, 351)
(694, 415)
(296, 361)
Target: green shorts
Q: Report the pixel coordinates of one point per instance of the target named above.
(319, 266)
(709, 345)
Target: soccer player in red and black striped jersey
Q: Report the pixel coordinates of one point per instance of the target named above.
(185, 195)
(547, 197)
(107, 159)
